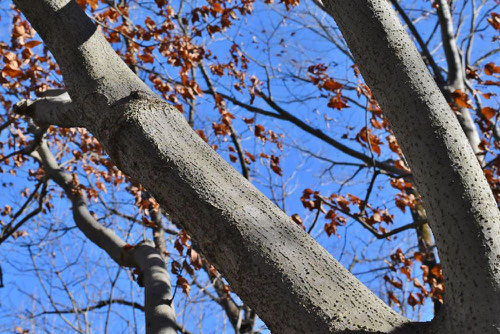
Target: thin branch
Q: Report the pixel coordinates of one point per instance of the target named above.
(103, 237)
(30, 215)
(338, 145)
(428, 58)
(234, 136)
(369, 227)
(368, 193)
(485, 56)
(456, 79)
(470, 37)
(98, 305)
(286, 116)
(314, 222)
(455, 70)
(6, 124)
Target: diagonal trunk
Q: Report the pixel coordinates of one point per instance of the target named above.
(280, 271)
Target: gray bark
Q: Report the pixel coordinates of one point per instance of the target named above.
(292, 282)
(158, 305)
(459, 203)
(50, 110)
(279, 270)
(158, 298)
(96, 232)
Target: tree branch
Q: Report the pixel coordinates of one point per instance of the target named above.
(160, 314)
(455, 70)
(234, 136)
(98, 305)
(56, 110)
(456, 77)
(428, 58)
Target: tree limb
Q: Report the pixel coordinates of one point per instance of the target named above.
(456, 77)
(160, 314)
(238, 229)
(53, 109)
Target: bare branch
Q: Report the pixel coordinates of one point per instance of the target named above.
(96, 232)
(456, 78)
(52, 109)
(160, 313)
(98, 305)
(428, 58)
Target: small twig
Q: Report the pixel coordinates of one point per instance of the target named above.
(370, 228)
(368, 192)
(314, 222)
(28, 216)
(98, 305)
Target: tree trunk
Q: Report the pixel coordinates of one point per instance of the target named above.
(292, 282)
(461, 208)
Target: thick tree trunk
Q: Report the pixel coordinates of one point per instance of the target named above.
(459, 203)
(291, 281)
(280, 271)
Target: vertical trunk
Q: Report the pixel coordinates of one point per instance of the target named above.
(459, 203)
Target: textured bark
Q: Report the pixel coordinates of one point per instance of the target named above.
(158, 298)
(280, 271)
(459, 203)
(264, 255)
(56, 109)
